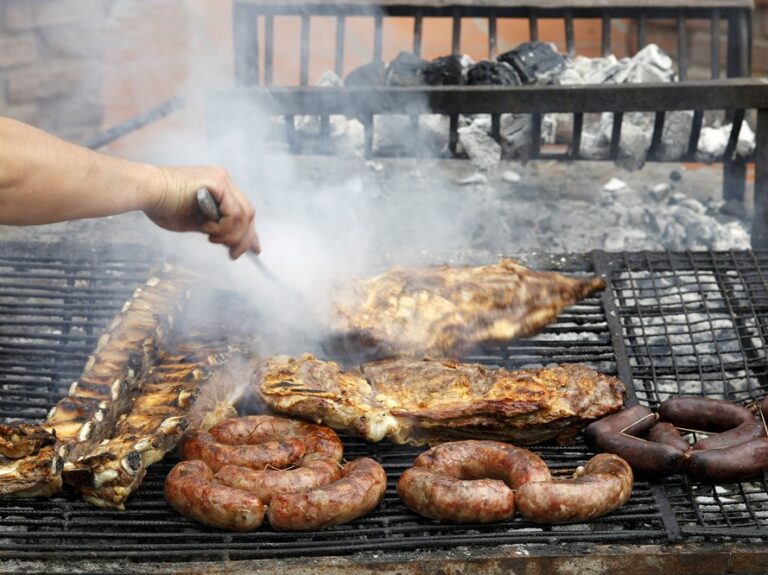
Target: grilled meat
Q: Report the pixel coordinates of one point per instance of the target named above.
(443, 311)
(207, 374)
(425, 401)
(104, 391)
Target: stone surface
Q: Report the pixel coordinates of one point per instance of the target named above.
(49, 80)
(29, 14)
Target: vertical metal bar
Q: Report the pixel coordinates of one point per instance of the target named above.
(377, 37)
(618, 117)
(368, 127)
(491, 37)
(734, 170)
(682, 47)
(456, 34)
(641, 27)
(496, 127)
(714, 43)
(290, 134)
(658, 130)
(246, 39)
(578, 123)
(738, 47)
(606, 34)
(569, 43)
(417, 25)
(340, 33)
(269, 48)
(760, 220)
(453, 134)
(693, 142)
(533, 27)
(304, 70)
(535, 135)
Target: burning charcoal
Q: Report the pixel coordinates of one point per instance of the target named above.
(406, 70)
(372, 74)
(674, 140)
(583, 70)
(444, 71)
(487, 73)
(651, 64)
(534, 61)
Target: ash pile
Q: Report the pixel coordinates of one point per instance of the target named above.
(531, 63)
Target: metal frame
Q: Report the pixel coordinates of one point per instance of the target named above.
(253, 70)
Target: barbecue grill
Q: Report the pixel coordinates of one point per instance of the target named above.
(254, 68)
(668, 323)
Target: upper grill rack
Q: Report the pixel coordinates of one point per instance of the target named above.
(149, 530)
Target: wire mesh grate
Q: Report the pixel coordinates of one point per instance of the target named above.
(695, 324)
(53, 309)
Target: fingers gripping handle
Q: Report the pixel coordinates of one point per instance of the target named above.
(207, 204)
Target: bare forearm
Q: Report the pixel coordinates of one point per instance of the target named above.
(44, 179)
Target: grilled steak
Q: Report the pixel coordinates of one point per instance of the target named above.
(193, 374)
(442, 311)
(104, 391)
(425, 401)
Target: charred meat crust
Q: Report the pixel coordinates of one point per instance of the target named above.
(421, 401)
(443, 311)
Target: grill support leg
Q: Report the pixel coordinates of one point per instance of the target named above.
(760, 220)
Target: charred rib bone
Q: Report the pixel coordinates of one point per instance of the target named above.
(96, 400)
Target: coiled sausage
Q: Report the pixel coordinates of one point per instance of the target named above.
(729, 464)
(601, 486)
(359, 490)
(266, 484)
(278, 454)
(190, 490)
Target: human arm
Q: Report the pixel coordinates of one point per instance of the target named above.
(44, 179)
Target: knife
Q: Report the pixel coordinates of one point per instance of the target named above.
(207, 204)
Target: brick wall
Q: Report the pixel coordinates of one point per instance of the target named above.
(50, 63)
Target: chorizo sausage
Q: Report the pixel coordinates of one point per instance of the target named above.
(729, 464)
(267, 483)
(634, 420)
(201, 445)
(747, 431)
(190, 490)
(359, 490)
(601, 486)
(666, 433)
(474, 459)
(459, 501)
(469, 481)
(646, 457)
(703, 413)
(320, 442)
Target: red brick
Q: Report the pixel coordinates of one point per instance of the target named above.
(17, 49)
(63, 41)
(31, 14)
(55, 78)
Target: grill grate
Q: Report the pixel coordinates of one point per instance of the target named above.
(670, 317)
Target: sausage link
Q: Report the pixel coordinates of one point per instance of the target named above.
(473, 459)
(703, 413)
(278, 454)
(459, 501)
(266, 484)
(603, 485)
(747, 431)
(359, 490)
(646, 457)
(729, 464)
(320, 442)
(190, 490)
(666, 433)
(634, 420)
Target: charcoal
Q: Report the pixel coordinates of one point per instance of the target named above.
(372, 74)
(406, 70)
(444, 71)
(487, 73)
(534, 61)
